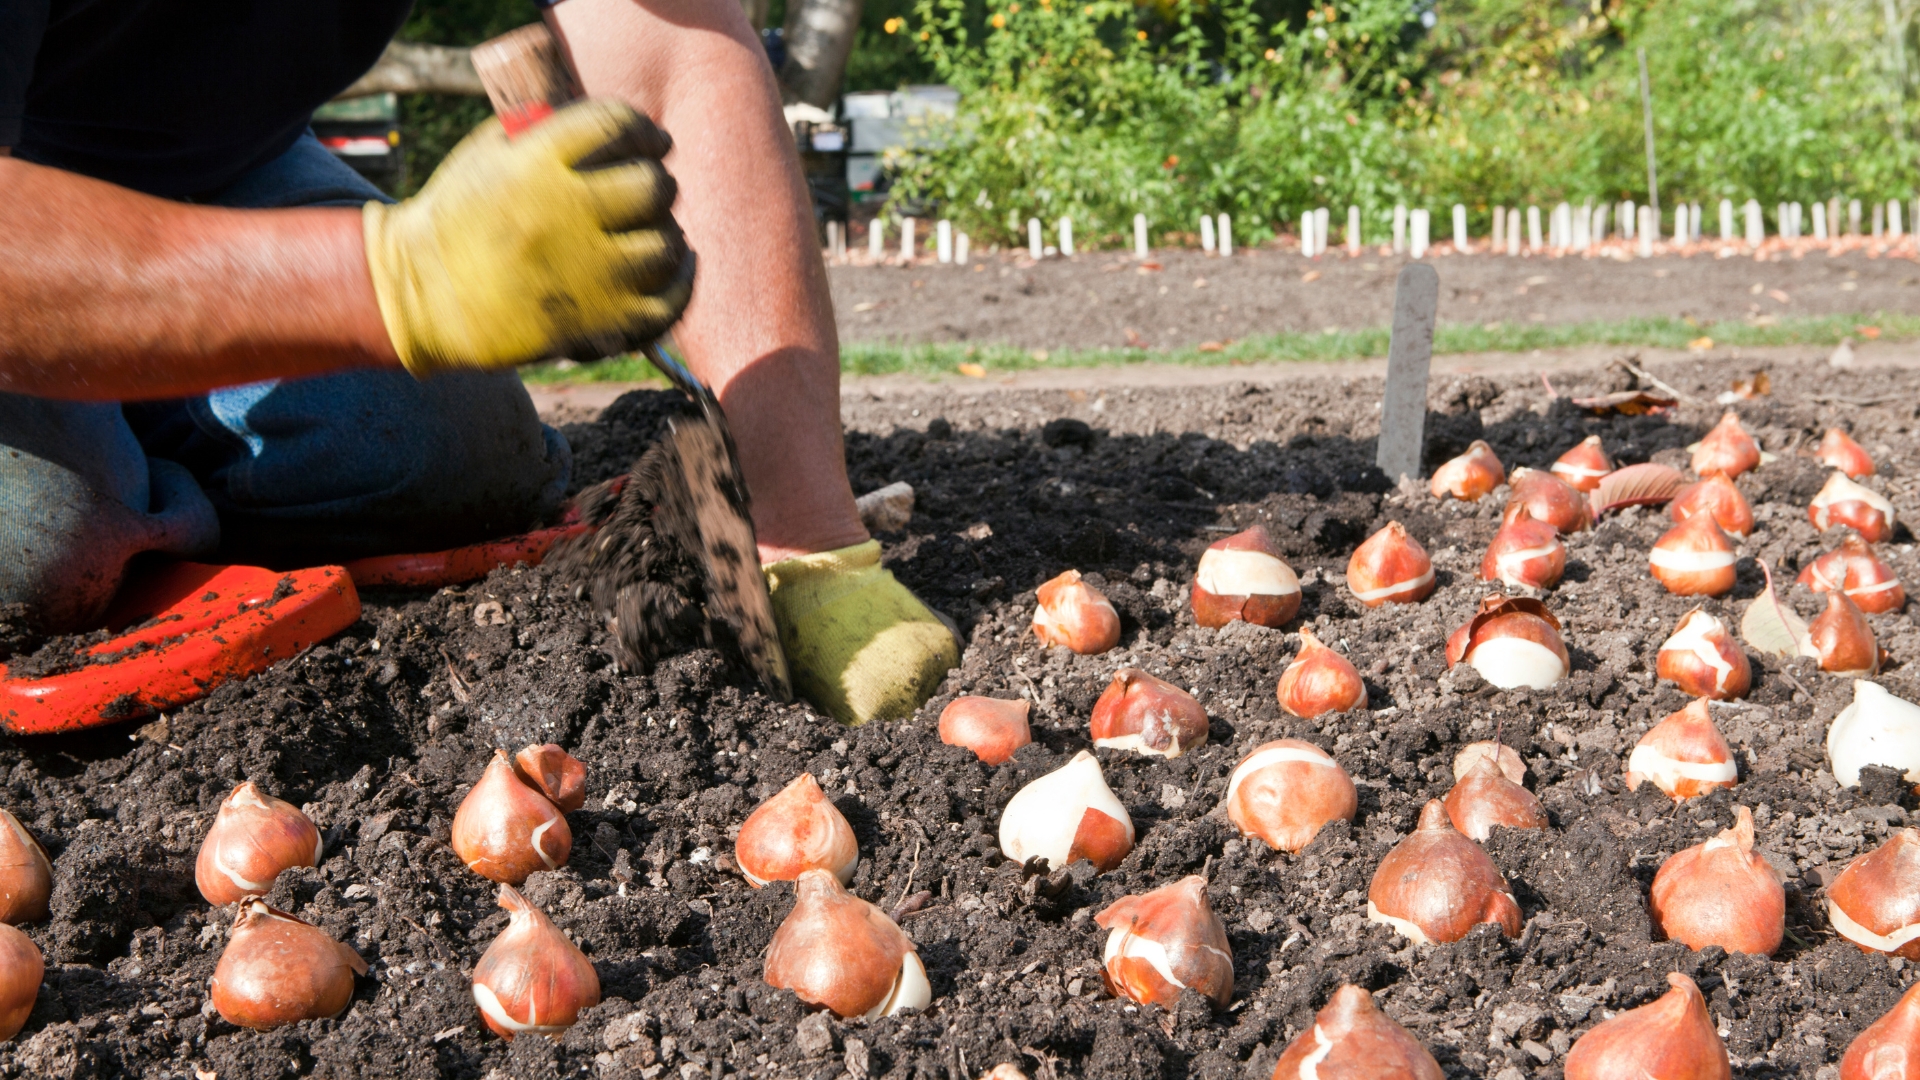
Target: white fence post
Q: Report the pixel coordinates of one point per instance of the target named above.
(1036, 244)
(1422, 225)
(1534, 240)
(1206, 232)
(1399, 228)
(1225, 232)
(1066, 236)
(1726, 220)
(960, 249)
(1756, 226)
(1353, 231)
(906, 239)
(877, 240)
(943, 240)
(1645, 228)
(1140, 236)
(1462, 244)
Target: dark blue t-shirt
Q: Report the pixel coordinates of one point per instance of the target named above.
(176, 97)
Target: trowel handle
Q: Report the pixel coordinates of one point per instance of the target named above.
(526, 76)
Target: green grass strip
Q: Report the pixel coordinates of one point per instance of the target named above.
(871, 358)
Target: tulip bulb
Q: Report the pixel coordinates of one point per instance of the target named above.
(1546, 497)
(1854, 569)
(1683, 755)
(1720, 892)
(1485, 797)
(1390, 567)
(1285, 791)
(1353, 1038)
(1243, 577)
(532, 980)
(1841, 639)
(1719, 499)
(1319, 681)
(1889, 1049)
(1504, 757)
(1727, 449)
(1839, 451)
(1694, 558)
(1703, 660)
(26, 877)
(1876, 729)
(1148, 716)
(1525, 554)
(990, 727)
(1164, 942)
(278, 969)
(1511, 642)
(1436, 885)
(1673, 1038)
(20, 958)
(1068, 814)
(1860, 508)
(1469, 476)
(795, 831)
(837, 950)
(254, 837)
(1584, 465)
(505, 830)
(1875, 902)
(554, 773)
(1075, 614)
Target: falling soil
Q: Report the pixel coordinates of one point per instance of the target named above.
(379, 732)
(1107, 299)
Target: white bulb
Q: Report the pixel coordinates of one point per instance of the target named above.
(1044, 817)
(1877, 729)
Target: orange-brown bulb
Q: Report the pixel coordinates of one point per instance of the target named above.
(1703, 660)
(26, 877)
(1469, 476)
(1319, 681)
(1584, 465)
(24, 968)
(1243, 577)
(1546, 497)
(1842, 640)
(1683, 755)
(505, 829)
(554, 773)
(1837, 450)
(1672, 1038)
(1485, 797)
(1390, 567)
(1727, 449)
(1286, 790)
(1721, 892)
(1147, 715)
(1856, 506)
(532, 980)
(278, 969)
(1166, 941)
(1717, 498)
(1694, 558)
(254, 837)
(1351, 1039)
(1525, 553)
(837, 950)
(1077, 615)
(1854, 569)
(990, 727)
(1436, 885)
(1889, 1049)
(1511, 641)
(1875, 902)
(795, 831)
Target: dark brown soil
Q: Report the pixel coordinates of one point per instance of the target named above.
(379, 732)
(1092, 301)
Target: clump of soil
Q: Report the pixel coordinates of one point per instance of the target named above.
(379, 733)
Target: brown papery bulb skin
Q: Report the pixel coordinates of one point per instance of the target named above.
(1854, 569)
(554, 773)
(1436, 885)
(1718, 498)
(1469, 476)
(1525, 553)
(837, 950)
(254, 837)
(21, 960)
(1842, 639)
(1148, 716)
(1841, 502)
(1727, 449)
(1672, 1038)
(1511, 641)
(1683, 755)
(1889, 1049)
(1485, 797)
(278, 969)
(1703, 660)
(1721, 892)
(1243, 577)
(26, 877)
(1839, 451)
(795, 831)
(1504, 757)
(1166, 941)
(1319, 681)
(1286, 790)
(1584, 465)
(1351, 1039)
(1875, 902)
(505, 829)
(1546, 497)
(990, 727)
(532, 980)
(1390, 567)
(1694, 558)
(1077, 615)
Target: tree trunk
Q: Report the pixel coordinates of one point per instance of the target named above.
(819, 37)
(419, 69)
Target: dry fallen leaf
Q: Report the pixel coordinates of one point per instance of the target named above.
(1134, 340)
(1770, 625)
(1636, 485)
(1150, 267)
(1700, 344)
(1760, 385)
(1625, 402)
(973, 371)
(1868, 332)
(1212, 346)
(1311, 275)
(1779, 295)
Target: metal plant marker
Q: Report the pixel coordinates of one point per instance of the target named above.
(1403, 415)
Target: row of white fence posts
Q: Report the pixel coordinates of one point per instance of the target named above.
(1567, 228)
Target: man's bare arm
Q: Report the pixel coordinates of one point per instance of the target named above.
(106, 294)
(760, 328)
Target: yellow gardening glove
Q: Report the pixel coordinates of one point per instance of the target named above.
(559, 241)
(859, 644)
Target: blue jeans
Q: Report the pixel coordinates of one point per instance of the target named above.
(281, 473)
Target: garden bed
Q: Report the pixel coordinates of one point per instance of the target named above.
(380, 731)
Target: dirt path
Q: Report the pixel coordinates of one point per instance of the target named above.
(1094, 300)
